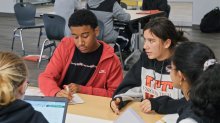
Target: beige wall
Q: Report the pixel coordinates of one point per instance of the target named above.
(201, 7)
(7, 6)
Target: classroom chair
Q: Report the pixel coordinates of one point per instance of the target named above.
(25, 15)
(54, 27)
(101, 27)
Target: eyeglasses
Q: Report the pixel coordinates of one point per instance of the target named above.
(169, 68)
(27, 84)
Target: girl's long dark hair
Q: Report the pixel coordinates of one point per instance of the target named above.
(165, 29)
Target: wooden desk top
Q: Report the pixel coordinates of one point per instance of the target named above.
(135, 16)
(99, 107)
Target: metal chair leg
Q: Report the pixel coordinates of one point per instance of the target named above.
(119, 49)
(40, 34)
(21, 39)
(54, 44)
(50, 45)
(14, 35)
(41, 53)
(50, 53)
(134, 39)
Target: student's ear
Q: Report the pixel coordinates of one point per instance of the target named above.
(21, 90)
(181, 76)
(167, 43)
(97, 31)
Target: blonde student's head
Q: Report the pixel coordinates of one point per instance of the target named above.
(13, 77)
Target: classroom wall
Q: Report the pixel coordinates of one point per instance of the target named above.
(201, 7)
(7, 6)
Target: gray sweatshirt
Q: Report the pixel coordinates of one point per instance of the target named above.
(106, 11)
(65, 9)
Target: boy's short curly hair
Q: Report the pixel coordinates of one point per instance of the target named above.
(83, 17)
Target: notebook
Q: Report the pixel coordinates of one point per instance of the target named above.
(129, 116)
(53, 108)
(169, 118)
(33, 91)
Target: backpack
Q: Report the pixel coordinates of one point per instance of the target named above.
(211, 21)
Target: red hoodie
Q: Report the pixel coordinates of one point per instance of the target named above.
(104, 81)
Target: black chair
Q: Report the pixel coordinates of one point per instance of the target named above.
(54, 27)
(25, 15)
(119, 1)
(168, 11)
(154, 4)
(101, 30)
(123, 5)
(101, 36)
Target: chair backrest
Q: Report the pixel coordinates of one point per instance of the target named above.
(25, 14)
(101, 28)
(154, 4)
(123, 5)
(168, 11)
(54, 26)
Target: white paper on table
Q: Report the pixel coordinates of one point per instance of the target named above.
(129, 116)
(170, 118)
(73, 118)
(33, 92)
(76, 99)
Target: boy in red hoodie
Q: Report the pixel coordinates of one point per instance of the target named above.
(81, 62)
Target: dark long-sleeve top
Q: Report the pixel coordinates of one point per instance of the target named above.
(20, 112)
(148, 78)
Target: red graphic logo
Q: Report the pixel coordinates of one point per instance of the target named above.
(158, 85)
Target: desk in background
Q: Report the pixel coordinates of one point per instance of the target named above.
(99, 107)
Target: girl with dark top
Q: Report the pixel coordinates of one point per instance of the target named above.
(148, 77)
(195, 71)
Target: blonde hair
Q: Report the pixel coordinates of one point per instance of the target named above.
(13, 72)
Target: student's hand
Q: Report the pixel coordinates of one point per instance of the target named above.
(145, 106)
(74, 88)
(64, 93)
(114, 105)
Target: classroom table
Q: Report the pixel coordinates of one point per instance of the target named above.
(99, 107)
